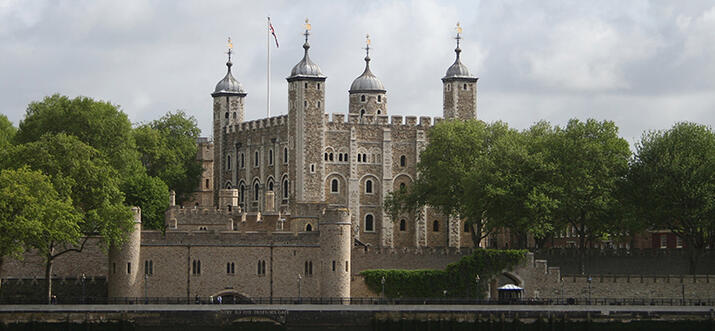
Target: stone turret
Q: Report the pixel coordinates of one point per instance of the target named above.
(124, 270)
(335, 245)
(367, 94)
(459, 89)
(229, 104)
(306, 112)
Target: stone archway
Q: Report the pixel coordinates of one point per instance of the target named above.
(506, 277)
(229, 296)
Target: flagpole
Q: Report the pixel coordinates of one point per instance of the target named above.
(268, 65)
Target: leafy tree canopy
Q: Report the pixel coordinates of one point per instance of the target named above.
(152, 195)
(7, 131)
(32, 211)
(96, 123)
(168, 151)
(672, 183)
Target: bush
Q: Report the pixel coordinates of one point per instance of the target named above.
(458, 279)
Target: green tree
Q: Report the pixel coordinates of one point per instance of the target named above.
(588, 160)
(82, 174)
(7, 131)
(32, 211)
(107, 129)
(168, 151)
(516, 186)
(152, 195)
(99, 124)
(455, 175)
(672, 182)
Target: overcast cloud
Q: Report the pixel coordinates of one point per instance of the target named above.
(643, 64)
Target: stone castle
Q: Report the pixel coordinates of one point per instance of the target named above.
(298, 198)
(291, 206)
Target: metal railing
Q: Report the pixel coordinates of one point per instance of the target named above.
(362, 301)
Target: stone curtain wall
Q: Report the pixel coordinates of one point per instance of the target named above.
(634, 261)
(91, 262)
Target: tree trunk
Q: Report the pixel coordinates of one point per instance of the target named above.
(582, 253)
(48, 277)
(693, 259)
(476, 232)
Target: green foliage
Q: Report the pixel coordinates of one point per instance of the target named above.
(168, 151)
(7, 132)
(96, 123)
(80, 173)
(152, 195)
(458, 279)
(32, 211)
(671, 183)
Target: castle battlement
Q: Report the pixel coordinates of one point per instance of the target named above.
(258, 124)
(636, 278)
(338, 120)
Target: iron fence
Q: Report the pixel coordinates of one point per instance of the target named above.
(197, 300)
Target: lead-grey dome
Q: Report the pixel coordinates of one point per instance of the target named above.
(367, 82)
(229, 85)
(457, 69)
(306, 68)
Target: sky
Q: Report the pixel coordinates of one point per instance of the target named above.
(643, 64)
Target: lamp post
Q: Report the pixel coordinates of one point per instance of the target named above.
(382, 281)
(146, 288)
(589, 289)
(476, 287)
(84, 281)
(299, 279)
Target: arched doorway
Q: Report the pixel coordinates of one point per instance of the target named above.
(229, 296)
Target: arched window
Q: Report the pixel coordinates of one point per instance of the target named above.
(256, 188)
(330, 157)
(285, 188)
(362, 98)
(364, 157)
(325, 157)
(345, 157)
(368, 186)
(226, 115)
(362, 112)
(228, 162)
(270, 157)
(242, 193)
(435, 226)
(243, 161)
(379, 98)
(334, 186)
(402, 186)
(340, 157)
(403, 225)
(379, 112)
(270, 184)
(403, 160)
(369, 223)
(308, 228)
(285, 155)
(465, 86)
(466, 227)
(255, 161)
(359, 157)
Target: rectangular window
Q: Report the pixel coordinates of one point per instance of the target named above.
(333, 265)
(678, 242)
(129, 267)
(663, 241)
(207, 183)
(114, 267)
(148, 267)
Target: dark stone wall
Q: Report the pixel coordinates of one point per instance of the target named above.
(67, 290)
(634, 261)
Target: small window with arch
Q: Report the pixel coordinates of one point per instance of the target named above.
(435, 226)
(368, 186)
(308, 227)
(403, 160)
(369, 223)
(403, 225)
(334, 186)
(362, 98)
